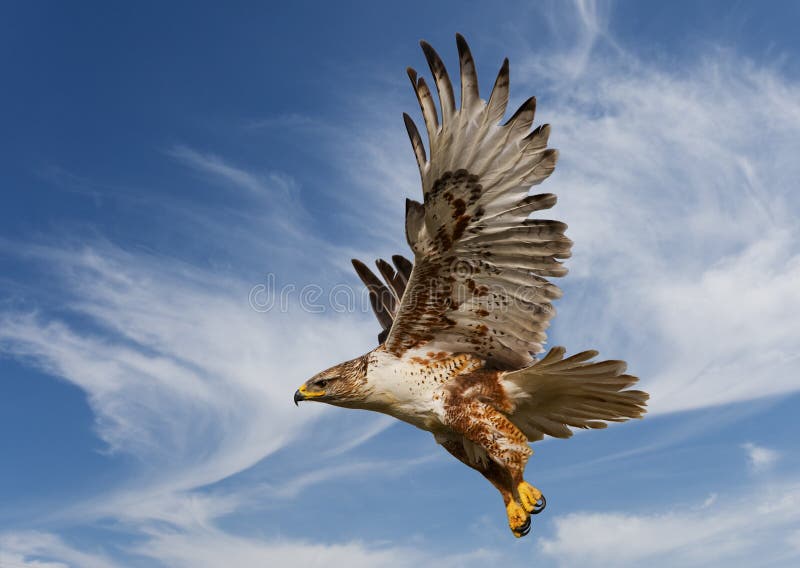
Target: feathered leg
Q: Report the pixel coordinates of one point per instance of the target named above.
(508, 450)
(497, 476)
(489, 469)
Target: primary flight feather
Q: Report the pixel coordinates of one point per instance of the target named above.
(463, 323)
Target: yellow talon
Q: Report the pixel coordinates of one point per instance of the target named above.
(517, 519)
(529, 496)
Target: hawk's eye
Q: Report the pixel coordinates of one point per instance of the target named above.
(322, 383)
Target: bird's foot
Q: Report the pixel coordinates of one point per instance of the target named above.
(531, 498)
(518, 519)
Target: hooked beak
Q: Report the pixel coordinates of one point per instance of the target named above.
(304, 394)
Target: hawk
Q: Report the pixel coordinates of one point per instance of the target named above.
(463, 323)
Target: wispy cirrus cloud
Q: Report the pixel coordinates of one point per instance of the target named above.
(744, 529)
(206, 546)
(760, 458)
(35, 549)
(214, 166)
(215, 548)
(678, 186)
(180, 370)
(184, 375)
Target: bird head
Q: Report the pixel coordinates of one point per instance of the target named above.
(341, 385)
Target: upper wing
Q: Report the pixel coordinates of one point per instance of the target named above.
(479, 279)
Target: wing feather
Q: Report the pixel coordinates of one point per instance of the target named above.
(404, 267)
(498, 100)
(444, 87)
(385, 296)
(470, 96)
(416, 141)
(479, 280)
(426, 104)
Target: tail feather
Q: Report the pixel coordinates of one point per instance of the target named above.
(556, 394)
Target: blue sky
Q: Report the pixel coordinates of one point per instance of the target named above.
(162, 161)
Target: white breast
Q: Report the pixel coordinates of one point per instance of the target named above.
(411, 388)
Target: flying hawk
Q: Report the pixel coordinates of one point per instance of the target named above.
(462, 323)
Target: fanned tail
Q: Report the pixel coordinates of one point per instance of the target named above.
(555, 394)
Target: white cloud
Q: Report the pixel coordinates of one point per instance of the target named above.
(207, 546)
(378, 426)
(742, 529)
(710, 500)
(182, 373)
(678, 186)
(577, 33)
(760, 458)
(679, 189)
(215, 167)
(384, 469)
(185, 375)
(214, 548)
(45, 550)
(271, 209)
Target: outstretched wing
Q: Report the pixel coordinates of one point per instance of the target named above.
(385, 297)
(480, 264)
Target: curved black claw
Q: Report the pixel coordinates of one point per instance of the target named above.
(525, 529)
(540, 505)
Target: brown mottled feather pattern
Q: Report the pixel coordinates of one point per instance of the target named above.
(462, 322)
(477, 406)
(475, 252)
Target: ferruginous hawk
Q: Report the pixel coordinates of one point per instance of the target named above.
(462, 323)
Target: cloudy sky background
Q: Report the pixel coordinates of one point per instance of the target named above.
(162, 162)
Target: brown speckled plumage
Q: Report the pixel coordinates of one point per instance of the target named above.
(461, 324)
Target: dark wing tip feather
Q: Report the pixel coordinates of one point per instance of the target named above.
(386, 270)
(443, 85)
(426, 48)
(543, 131)
(528, 107)
(381, 299)
(403, 265)
(380, 310)
(498, 100)
(542, 201)
(380, 262)
(469, 77)
(416, 140)
(366, 275)
(412, 203)
(426, 104)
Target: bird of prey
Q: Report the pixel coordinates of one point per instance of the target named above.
(463, 323)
